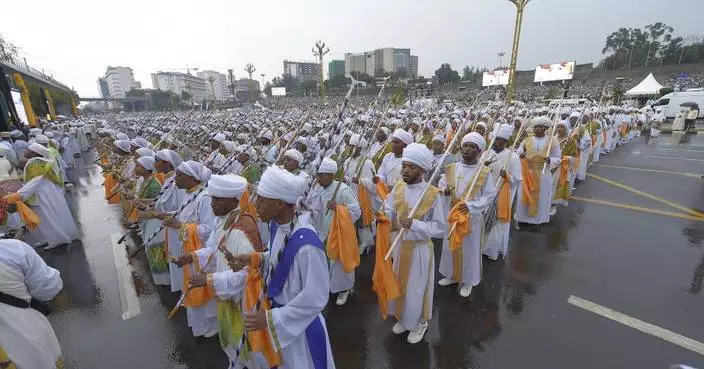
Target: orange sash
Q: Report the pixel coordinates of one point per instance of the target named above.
(161, 177)
(110, 184)
(384, 281)
(247, 206)
(342, 240)
(382, 190)
(503, 205)
(191, 242)
(365, 203)
(259, 341)
(528, 185)
(29, 217)
(463, 227)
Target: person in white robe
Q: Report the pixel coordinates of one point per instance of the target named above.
(535, 150)
(296, 272)
(321, 203)
(359, 171)
(584, 143)
(505, 164)
(43, 192)
(191, 177)
(413, 309)
(390, 169)
(456, 184)
(292, 161)
(26, 336)
(216, 159)
(379, 141)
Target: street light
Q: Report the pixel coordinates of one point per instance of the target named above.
(262, 86)
(520, 6)
(249, 68)
(501, 58)
(320, 50)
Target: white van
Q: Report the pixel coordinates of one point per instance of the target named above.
(670, 103)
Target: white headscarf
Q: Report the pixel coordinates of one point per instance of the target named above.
(505, 131)
(123, 145)
(145, 151)
(280, 184)
(39, 149)
(228, 185)
(195, 169)
(540, 121)
(419, 155)
(328, 166)
(147, 162)
(476, 139)
(295, 155)
(140, 142)
(41, 139)
(402, 135)
(171, 156)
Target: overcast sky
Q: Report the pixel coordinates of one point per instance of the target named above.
(76, 39)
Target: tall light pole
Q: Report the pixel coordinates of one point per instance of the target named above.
(520, 6)
(250, 69)
(320, 50)
(501, 58)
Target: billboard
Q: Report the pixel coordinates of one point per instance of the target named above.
(497, 77)
(554, 72)
(278, 91)
(19, 106)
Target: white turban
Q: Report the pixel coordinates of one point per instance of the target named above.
(540, 121)
(145, 151)
(354, 139)
(16, 133)
(328, 166)
(147, 162)
(419, 155)
(402, 135)
(228, 145)
(476, 139)
(228, 186)
(505, 131)
(219, 137)
(39, 149)
(195, 169)
(325, 136)
(171, 156)
(440, 138)
(481, 124)
(386, 131)
(307, 127)
(140, 142)
(574, 114)
(246, 149)
(295, 155)
(267, 134)
(564, 124)
(242, 136)
(280, 184)
(38, 131)
(41, 139)
(302, 140)
(49, 134)
(287, 137)
(124, 145)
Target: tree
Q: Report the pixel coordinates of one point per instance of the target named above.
(267, 89)
(658, 33)
(185, 96)
(445, 74)
(339, 81)
(401, 73)
(231, 82)
(665, 90)
(467, 73)
(309, 86)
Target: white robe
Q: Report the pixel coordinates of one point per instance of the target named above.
(498, 240)
(390, 169)
(420, 287)
(25, 334)
(56, 224)
(472, 243)
(302, 299)
(352, 166)
(169, 201)
(585, 145)
(546, 185)
(322, 218)
(216, 160)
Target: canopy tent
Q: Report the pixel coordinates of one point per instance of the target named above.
(648, 86)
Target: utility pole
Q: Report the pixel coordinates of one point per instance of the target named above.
(501, 58)
(250, 69)
(520, 6)
(262, 86)
(320, 50)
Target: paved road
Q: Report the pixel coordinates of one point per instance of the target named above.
(639, 263)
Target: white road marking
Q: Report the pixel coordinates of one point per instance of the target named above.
(638, 324)
(687, 150)
(128, 295)
(672, 157)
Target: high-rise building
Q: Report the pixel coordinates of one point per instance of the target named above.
(216, 85)
(386, 59)
(179, 82)
(336, 68)
(119, 81)
(103, 87)
(242, 89)
(304, 71)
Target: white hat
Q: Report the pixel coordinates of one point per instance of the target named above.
(228, 145)
(328, 166)
(139, 142)
(39, 149)
(439, 138)
(354, 139)
(267, 134)
(170, 156)
(419, 155)
(295, 155)
(540, 121)
(195, 169)
(41, 139)
(476, 139)
(145, 151)
(386, 131)
(228, 186)
(480, 124)
(280, 184)
(505, 131)
(219, 137)
(147, 162)
(402, 135)
(123, 145)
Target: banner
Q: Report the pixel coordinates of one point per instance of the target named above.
(554, 72)
(497, 77)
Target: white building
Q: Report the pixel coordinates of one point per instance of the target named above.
(388, 59)
(176, 82)
(119, 81)
(216, 85)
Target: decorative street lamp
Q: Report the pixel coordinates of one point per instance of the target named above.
(250, 69)
(520, 6)
(320, 50)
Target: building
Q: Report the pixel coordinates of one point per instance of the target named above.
(103, 87)
(242, 89)
(216, 85)
(386, 59)
(119, 81)
(179, 83)
(336, 68)
(304, 71)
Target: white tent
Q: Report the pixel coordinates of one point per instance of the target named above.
(648, 86)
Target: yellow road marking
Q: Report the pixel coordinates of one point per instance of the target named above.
(698, 176)
(672, 157)
(637, 324)
(638, 208)
(652, 197)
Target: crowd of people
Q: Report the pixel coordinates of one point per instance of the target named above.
(257, 217)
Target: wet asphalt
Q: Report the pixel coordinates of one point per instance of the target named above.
(648, 266)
